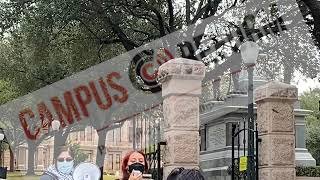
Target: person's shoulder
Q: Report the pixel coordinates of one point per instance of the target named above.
(47, 177)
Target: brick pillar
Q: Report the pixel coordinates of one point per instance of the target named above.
(276, 127)
(181, 87)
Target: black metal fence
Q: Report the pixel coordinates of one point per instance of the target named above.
(153, 156)
(240, 158)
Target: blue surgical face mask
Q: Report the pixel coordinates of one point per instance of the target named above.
(65, 167)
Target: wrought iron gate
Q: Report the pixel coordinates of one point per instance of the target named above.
(154, 161)
(239, 163)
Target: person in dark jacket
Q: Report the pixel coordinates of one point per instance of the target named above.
(175, 173)
(185, 174)
(63, 166)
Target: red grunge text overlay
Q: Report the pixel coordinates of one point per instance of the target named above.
(80, 96)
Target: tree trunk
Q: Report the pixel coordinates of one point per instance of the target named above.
(11, 159)
(59, 140)
(101, 151)
(31, 150)
(16, 163)
(287, 74)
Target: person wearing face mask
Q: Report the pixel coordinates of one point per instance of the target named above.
(62, 168)
(134, 165)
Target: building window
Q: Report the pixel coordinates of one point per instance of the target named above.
(89, 157)
(120, 133)
(118, 157)
(111, 161)
(76, 136)
(82, 135)
(113, 136)
(203, 138)
(138, 135)
(22, 156)
(116, 135)
(237, 139)
(44, 159)
(130, 134)
(35, 158)
(89, 134)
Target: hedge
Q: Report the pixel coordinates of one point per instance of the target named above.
(308, 171)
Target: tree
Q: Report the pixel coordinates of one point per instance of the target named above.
(79, 155)
(34, 56)
(54, 39)
(3, 146)
(7, 93)
(310, 101)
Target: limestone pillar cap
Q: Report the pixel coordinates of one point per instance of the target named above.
(181, 68)
(275, 90)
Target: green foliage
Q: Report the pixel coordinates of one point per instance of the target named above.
(79, 155)
(7, 91)
(310, 101)
(3, 146)
(308, 171)
(313, 142)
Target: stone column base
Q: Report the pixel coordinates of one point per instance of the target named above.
(277, 173)
(304, 158)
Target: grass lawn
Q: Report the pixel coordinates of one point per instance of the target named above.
(21, 176)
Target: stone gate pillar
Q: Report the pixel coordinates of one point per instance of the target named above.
(181, 85)
(276, 127)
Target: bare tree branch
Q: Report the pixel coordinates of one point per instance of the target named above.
(171, 16)
(199, 7)
(214, 7)
(268, 29)
(188, 11)
(145, 16)
(126, 42)
(208, 9)
(160, 20)
(199, 14)
(99, 52)
(140, 31)
(235, 3)
(314, 6)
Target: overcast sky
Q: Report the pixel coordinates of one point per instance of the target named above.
(305, 84)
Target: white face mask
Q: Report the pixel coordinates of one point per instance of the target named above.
(65, 167)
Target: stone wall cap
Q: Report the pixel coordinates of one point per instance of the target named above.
(181, 68)
(276, 90)
(276, 84)
(184, 61)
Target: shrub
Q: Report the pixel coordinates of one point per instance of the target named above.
(308, 171)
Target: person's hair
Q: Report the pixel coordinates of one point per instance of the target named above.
(125, 161)
(61, 149)
(190, 174)
(175, 173)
